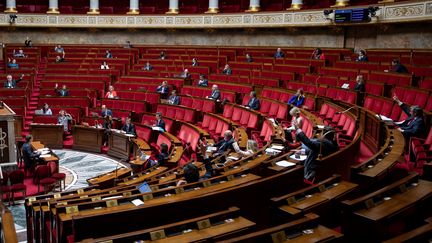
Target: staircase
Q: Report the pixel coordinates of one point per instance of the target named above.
(34, 96)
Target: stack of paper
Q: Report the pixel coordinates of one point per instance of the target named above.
(285, 163)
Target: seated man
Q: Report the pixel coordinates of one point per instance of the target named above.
(105, 111)
(279, 53)
(159, 121)
(225, 144)
(362, 56)
(414, 125)
(163, 90)
(254, 103)
(30, 157)
(185, 74)
(128, 44)
(108, 54)
(195, 62)
(249, 58)
(398, 67)
(360, 86)
(215, 95)
(316, 148)
(19, 53)
(148, 67)
(10, 83)
(128, 127)
(162, 55)
(63, 92)
(203, 82)
(298, 99)
(174, 99)
(59, 49)
(227, 70)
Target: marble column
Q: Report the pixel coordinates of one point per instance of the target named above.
(53, 7)
(94, 7)
(133, 7)
(341, 3)
(173, 7)
(213, 6)
(10, 6)
(254, 6)
(296, 5)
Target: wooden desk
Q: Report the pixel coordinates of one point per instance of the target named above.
(53, 157)
(141, 178)
(119, 145)
(87, 138)
(51, 135)
(107, 179)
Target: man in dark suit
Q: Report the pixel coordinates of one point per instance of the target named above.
(360, 86)
(414, 125)
(215, 95)
(30, 157)
(63, 92)
(163, 90)
(323, 146)
(227, 70)
(10, 83)
(254, 102)
(362, 56)
(279, 53)
(225, 144)
(128, 127)
(398, 67)
(174, 99)
(148, 67)
(202, 81)
(105, 111)
(159, 121)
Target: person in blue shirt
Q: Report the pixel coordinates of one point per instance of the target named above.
(63, 92)
(163, 90)
(227, 70)
(215, 95)
(12, 64)
(279, 53)
(398, 67)
(174, 99)
(63, 119)
(105, 111)
(254, 103)
(203, 82)
(298, 99)
(148, 67)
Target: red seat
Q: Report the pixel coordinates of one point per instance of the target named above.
(59, 177)
(42, 177)
(16, 179)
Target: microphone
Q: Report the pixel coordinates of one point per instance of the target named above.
(345, 111)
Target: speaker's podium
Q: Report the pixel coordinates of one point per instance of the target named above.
(120, 144)
(7, 136)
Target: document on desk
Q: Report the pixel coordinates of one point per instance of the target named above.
(158, 129)
(211, 149)
(137, 202)
(45, 156)
(285, 163)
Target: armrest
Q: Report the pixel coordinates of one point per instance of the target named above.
(344, 136)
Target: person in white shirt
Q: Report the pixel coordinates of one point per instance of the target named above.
(251, 148)
(295, 120)
(104, 65)
(46, 110)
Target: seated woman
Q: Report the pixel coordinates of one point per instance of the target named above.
(12, 63)
(298, 99)
(296, 119)
(318, 54)
(251, 148)
(46, 110)
(161, 158)
(111, 94)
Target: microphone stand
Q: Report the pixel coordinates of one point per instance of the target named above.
(345, 111)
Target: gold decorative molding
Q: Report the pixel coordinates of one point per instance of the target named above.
(93, 11)
(212, 11)
(133, 11)
(389, 13)
(341, 3)
(253, 9)
(53, 11)
(295, 6)
(173, 11)
(11, 10)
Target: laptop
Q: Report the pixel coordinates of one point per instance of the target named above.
(39, 112)
(144, 188)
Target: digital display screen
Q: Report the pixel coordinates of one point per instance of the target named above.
(352, 15)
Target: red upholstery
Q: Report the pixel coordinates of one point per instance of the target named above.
(143, 132)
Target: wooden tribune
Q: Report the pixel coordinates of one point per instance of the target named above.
(119, 144)
(88, 138)
(51, 135)
(7, 135)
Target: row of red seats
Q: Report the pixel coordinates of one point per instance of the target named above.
(189, 136)
(384, 106)
(204, 92)
(414, 96)
(215, 125)
(247, 118)
(149, 120)
(200, 104)
(181, 113)
(284, 95)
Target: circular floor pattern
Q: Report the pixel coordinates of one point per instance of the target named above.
(78, 167)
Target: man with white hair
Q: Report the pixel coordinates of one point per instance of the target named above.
(10, 83)
(215, 95)
(185, 74)
(226, 143)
